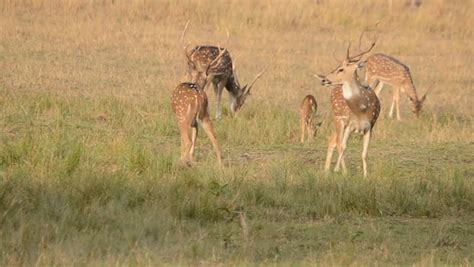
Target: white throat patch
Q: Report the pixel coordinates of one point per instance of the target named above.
(347, 91)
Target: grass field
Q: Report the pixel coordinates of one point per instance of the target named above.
(89, 147)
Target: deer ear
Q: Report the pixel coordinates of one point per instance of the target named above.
(191, 64)
(362, 64)
(246, 90)
(320, 77)
(423, 98)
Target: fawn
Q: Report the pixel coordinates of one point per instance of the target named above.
(308, 111)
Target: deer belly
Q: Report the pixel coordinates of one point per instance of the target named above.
(360, 126)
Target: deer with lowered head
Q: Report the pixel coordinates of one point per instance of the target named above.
(223, 74)
(355, 108)
(189, 103)
(383, 69)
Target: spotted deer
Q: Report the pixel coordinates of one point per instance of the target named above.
(308, 110)
(189, 103)
(224, 74)
(355, 108)
(383, 69)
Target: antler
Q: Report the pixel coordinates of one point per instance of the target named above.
(347, 52)
(360, 38)
(221, 53)
(357, 57)
(185, 47)
(334, 56)
(228, 37)
(234, 62)
(256, 78)
(422, 99)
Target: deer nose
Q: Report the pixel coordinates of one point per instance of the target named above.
(325, 81)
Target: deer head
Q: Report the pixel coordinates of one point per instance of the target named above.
(417, 105)
(243, 92)
(347, 68)
(312, 127)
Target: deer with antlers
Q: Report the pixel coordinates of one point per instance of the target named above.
(355, 108)
(308, 109)
(223, 74)
(189, 103)
(382, 69)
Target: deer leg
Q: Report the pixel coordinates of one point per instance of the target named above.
(310, 132)
(340, 133)
(186, 145)
(378, 88)
(194, 133)
(219, 89)
(345, 137)
(343, 162)
(209, 129)
(218, 100)
(331, 146)
(396, 98)
(303, 127)
(310, 129)
(390, 113)
(366, 141)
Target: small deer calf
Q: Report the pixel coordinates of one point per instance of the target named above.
(308, 110)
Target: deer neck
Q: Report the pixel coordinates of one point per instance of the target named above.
(232, 85)
(236, 93)
(351, 89)
(201, 82)
(352, 93)
(410, 90)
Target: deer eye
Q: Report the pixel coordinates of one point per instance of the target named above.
(340, 70)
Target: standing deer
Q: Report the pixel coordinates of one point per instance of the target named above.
(355, 108)
(224, 74)
(189, 103)
(308, 110)
(382, 69)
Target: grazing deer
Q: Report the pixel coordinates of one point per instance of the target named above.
(224, 74)
(382, 69)
(308, 110)
(355, 108)
(189, 103)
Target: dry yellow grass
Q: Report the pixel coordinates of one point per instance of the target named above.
(91, 47)
(89, 143)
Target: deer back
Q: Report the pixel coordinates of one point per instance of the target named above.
(388, 70)
(201, 56)
(188, 101)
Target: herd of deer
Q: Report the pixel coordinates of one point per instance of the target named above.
(355, 104)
